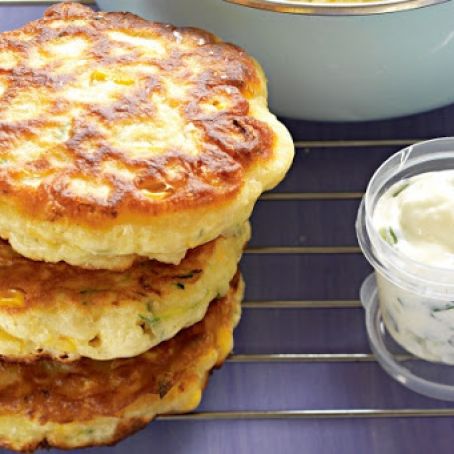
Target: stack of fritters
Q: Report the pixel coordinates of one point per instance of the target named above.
(131, 155)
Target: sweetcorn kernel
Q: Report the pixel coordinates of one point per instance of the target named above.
(12, 298)
(68, 345)
(123, 81)
(194, 399)
(225, 341)
(98, 76)
(6, 337)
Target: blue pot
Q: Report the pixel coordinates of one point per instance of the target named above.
(336, 67)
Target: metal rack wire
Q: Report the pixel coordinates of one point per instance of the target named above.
(303, 304)
(314, 304)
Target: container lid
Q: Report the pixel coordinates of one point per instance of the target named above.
(430, 379)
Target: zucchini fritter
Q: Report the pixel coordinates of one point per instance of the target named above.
(121, 137)
(65, 312)
(99, 402)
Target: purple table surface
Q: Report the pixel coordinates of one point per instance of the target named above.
(265, 386)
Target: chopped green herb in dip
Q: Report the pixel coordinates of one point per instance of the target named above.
(149, 320)
(388, 235)
(402, 188)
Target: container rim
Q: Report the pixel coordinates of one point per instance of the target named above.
(393, 264)
(350, 8)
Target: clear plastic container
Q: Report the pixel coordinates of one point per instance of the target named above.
(425, 377)
(416, 301)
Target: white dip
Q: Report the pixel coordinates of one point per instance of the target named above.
(416, 217)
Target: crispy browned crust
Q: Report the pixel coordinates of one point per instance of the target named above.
(45, 285)
(48, 391)
(217, 74)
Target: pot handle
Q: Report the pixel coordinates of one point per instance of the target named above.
(335, 9)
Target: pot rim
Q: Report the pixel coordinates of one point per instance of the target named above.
(349, 8)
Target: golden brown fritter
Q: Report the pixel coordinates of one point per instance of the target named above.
(65, 312)
(122, 137)
(99, 402)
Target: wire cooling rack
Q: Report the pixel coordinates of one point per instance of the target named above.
(304, 305)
